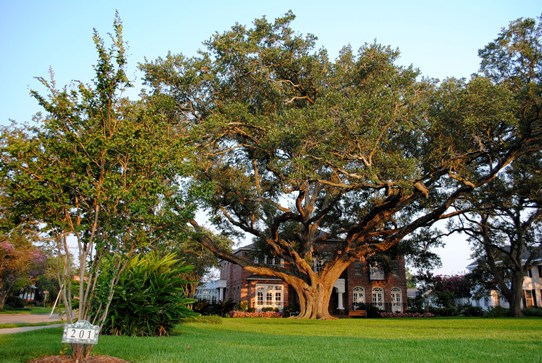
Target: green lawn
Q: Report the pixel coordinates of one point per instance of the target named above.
(287, 340)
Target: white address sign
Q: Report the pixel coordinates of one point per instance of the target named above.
(82, 332)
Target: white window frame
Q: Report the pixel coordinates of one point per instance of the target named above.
(396, 300)
(358, 296)
(269, 296)
(378, 297)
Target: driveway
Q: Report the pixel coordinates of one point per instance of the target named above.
(29, 319)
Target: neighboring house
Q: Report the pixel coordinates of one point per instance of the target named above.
(209, 291)
(532, 289)
(360, 284)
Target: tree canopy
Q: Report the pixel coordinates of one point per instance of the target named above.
(298, 149)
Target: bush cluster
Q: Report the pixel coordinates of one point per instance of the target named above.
(255, 314)
(220, 308)
(149, 298)
(406, 315)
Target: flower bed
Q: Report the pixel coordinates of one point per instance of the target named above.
(255, 314)
(406, 315)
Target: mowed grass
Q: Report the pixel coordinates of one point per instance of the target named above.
(289, 340)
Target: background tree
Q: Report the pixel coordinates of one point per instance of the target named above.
(505, 229)
(505, 223)
(449, 290)
(99, 172)
(297, 148)
(20, 262)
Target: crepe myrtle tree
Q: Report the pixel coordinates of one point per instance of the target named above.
(99, 170)
(299, 149)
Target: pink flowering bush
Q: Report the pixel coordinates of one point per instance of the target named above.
(406, 315)
(255, 314)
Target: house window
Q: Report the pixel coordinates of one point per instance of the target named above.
(396, 300)
(378, 297)
(358, 269)
(376, 272)
(358, 297)
(318, 264)
(269, 296)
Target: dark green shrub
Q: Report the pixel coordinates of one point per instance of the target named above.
(149, 298)
(497, 312)
(444, 311)
(14, 302)
(532, 311)
(290, 310)
(220, 308)
(472, 311)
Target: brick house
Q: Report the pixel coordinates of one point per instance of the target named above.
(361, 283)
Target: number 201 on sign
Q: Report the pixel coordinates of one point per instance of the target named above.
(82, 332)
(75, 333)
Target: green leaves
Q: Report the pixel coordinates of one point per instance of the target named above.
(149, 297)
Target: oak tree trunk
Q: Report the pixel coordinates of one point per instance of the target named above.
(516, 293)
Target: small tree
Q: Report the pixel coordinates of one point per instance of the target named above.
(20, 262)
(450, 289)
(98, 171)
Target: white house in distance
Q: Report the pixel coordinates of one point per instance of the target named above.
(211, 291)
(532, 289)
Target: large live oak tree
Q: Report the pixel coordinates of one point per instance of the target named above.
(297, 148)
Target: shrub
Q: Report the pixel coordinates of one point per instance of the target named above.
(444, 311)
(149, 297)
(14, 302)
(256, 314)
(290, 310)
(497, 312)
(406, 315)
(372, 310)
(472, 311)
(220, 308)
(532, 311)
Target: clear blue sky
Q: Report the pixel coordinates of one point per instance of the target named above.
(441, 38)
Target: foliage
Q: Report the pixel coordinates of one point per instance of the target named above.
(220, 308)
(532, 312)
(255, 314)
(407, 314)
(149, 296)
(504, 219)
(194, 254)
(20, 262)
(497, 312)
(98, 171)
(14, 302)
(470, 310)
(444, 311)
(296, 149)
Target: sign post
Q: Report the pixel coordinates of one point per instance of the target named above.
(82, 332)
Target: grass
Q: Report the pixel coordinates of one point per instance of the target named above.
(20, 325)
(286, 340)
(32, 310)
